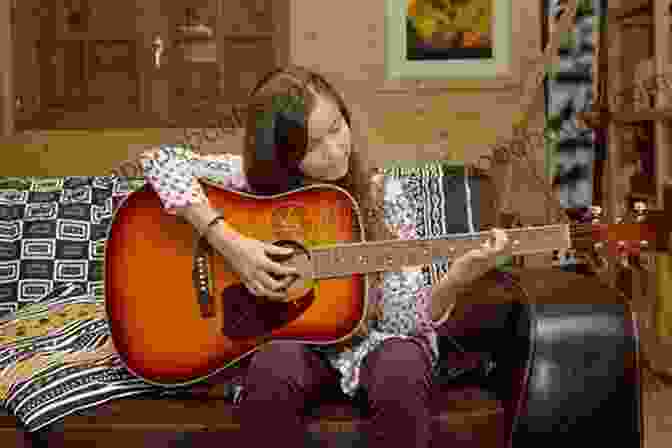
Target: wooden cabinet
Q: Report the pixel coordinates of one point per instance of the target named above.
(639, 74)
(639, 71)
(91, 64)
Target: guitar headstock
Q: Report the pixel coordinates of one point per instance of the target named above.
(641, 233)
(626, 242)
(640, 210)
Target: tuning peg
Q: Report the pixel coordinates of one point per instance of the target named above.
(640, 208)
(644, 244)
(624, 261)
(619, 220)
(645, 261)
(598, 246)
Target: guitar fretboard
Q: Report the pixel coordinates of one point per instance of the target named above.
(366, 257)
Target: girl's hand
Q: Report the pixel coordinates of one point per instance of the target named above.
(249, 258)
(477, 262)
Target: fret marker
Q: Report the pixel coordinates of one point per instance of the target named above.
(363, 259)
(516, 242)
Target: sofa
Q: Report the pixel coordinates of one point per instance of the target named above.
(520, 365)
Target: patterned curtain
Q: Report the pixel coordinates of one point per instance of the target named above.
(569, 89)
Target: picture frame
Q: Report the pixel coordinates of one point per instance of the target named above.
(408, 55)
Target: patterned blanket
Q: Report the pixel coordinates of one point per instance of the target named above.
(52, 235)
(55, 352)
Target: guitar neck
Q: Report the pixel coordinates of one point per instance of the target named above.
(343, 260)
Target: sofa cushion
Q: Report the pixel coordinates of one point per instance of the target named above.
(53, 235)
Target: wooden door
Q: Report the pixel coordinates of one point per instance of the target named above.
(92, 64)
(80, 64)
(221, 49)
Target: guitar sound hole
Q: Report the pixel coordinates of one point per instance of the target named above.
(248, 316)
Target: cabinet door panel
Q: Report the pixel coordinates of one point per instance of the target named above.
(79, 64)
(130, 64)
(247, 17)
(245, 62)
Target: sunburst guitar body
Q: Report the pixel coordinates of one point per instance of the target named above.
(152, 299)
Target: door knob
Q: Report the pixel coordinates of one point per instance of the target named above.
(158, 48)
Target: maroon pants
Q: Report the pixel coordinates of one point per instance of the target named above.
(285, 380)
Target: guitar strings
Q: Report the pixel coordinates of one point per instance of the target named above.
(579, 233)
(575, 230)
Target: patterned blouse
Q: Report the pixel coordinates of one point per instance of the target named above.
(402, 300)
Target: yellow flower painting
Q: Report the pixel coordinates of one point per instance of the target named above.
(449, 29)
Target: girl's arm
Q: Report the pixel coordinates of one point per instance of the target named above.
(443, 297)
(173, 172)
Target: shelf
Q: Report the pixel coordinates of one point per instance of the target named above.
(601, 119)
(638, 21)
(645, 115)
(634, 8)
(650, 198)
(248, 36)
(195, 32)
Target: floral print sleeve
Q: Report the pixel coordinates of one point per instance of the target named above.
(405, 306)
(173, 172)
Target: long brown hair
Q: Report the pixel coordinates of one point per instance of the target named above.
(279, 171)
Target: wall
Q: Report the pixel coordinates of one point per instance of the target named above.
(345, 41)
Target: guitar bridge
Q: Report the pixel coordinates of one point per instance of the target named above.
(201, 278)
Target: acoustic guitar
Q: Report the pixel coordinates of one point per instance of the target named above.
(178, 314)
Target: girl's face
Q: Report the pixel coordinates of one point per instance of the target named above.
(329, 142)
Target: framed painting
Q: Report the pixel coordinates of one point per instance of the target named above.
(448, 39)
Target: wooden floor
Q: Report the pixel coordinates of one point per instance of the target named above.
(657, 403)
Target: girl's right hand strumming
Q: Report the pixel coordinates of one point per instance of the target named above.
(249, 258)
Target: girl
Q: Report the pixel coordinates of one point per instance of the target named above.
(298, 130)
